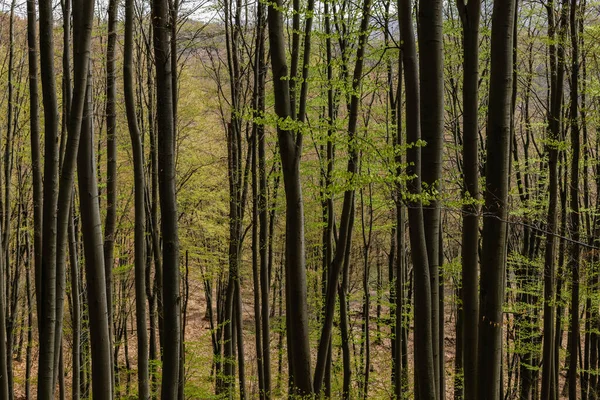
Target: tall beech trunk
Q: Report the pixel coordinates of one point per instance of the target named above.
(91, 229)
(367, 235)
(139, 206)
(168, 201)
(574, 250)
(111, 161)
(470, 15)
(327, 205)
(265, 275)
(4, 378)
(255, 268)
(344, 320)
(549, 365)
(425, 387)
(34, 133)
(8, 286)
(493, 252)
(238, 181)
(397, 264)
(290, 148)
(83, 13)
(75, 306)
(29, 349)
(45, 278)
(431, 79)
(261, 212)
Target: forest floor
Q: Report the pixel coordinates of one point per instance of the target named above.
(199, 377)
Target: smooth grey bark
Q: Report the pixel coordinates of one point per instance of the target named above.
(34, 133)
(83, 13)
(470, 16)
(424, 367)
(290, 148)
(397, 264)
(111, 161)
(168, 201)
(255, 269)
(91, 229)
(139, 205)
(265, 276)
(344, 320)
(431, 80)
(4, 378)
(67, 91)
(367, 235)
(7, 285)
(557, 62)
(75, 307)
(493, 261)
(29, 345)
(574, 223)
(238, 177)
(46, 275)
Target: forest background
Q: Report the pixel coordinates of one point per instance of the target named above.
(251, 199)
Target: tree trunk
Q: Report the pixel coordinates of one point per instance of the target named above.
(168, 201)
(34, 133)
(431, 74)
(496, 195)
(75, 306)
(111, 162)
(265, 276)
(82, 31)
(425, 387)
(470, 15)
(574, 251)
(549, 366)
(290, 148)
(46, 275)
(139, 206)
(344, 323)
(94, 257)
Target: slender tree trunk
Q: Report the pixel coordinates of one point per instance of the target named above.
(496, 195)
(574, 251)
(94, 258)
(9, 286)
(4, 378)
(367, 233)
(265, 275)
(75, 306)
(425, 387)
(470, 15)
(397, 259)
(29, 348)
(549, 366)
(82, 31)
(111, 162)
(344, 323)
(46, 274)
(240, 339)
(255, 268)
(139, 206)
(34, 133)
(168, 201)
(431, 74)
(290, 149)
